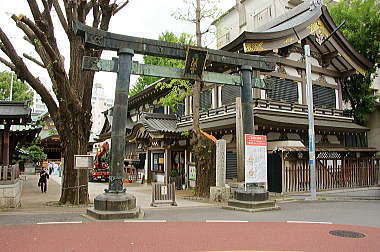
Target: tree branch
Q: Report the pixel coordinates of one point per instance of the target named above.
(61, 16)
(82, 11)
(69, 16)
(33, 6)
(48, 4)
(106, 14)
(8, 64)
(120, 7)
(89, 6)
(41, 36)
(96, 14)
(53, 62)
(23, 73)
(34, 60)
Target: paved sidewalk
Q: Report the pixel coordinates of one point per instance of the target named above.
(367, 193)
(32, 200)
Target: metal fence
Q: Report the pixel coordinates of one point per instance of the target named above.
(332, 174)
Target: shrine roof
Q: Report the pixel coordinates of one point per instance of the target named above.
(15, 112)
(310, 21)
(154, 125)
(155, 122)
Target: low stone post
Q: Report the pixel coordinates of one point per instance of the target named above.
(221, 146)
(220, 192)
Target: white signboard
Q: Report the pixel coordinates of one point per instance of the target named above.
(83, 161)
(164, 190)
(255, 159)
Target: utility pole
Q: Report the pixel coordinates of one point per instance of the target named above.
(310, 109)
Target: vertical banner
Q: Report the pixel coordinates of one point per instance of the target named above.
(255, 159)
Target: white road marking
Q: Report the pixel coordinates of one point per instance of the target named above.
(60, 222)
(226, 221)
(310, 222)
(144, 220)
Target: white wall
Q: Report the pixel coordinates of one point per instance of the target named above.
(257, 13)
(227, 29)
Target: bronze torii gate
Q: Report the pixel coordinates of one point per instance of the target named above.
(115, 198)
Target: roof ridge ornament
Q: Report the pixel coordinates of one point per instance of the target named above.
(315, 4)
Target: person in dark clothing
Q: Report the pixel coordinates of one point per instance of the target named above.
(44, 176)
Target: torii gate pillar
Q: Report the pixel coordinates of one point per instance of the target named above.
(115, 203)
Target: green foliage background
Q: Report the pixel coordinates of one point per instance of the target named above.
(20, 92)
(362, 29)
(178, 88)
(35, 154)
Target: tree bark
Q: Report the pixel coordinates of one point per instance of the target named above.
(73, 143)
(197, 85)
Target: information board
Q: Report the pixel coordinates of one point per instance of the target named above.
(192, 172)
(83, 161)
(255, 159)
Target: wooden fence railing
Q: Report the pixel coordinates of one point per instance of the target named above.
(333, 174)
(8, 174)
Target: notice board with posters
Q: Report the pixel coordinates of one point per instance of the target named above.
(255, 158)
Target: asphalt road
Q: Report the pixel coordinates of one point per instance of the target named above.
(187, 236)
(363, 213)
(360, 213)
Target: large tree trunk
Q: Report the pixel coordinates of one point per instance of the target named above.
(74, 139)
(203, 148)
(75, 125)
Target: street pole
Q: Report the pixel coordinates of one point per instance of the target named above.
(11, 90)
(310, 109)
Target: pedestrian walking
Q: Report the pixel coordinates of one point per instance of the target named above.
(42, 182)
(50, 166)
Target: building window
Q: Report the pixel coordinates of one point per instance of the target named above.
(262, 17)
(229, 94)
(283, 91)
(324, 97)
(158, 162)
(223, 39)
(205, 100)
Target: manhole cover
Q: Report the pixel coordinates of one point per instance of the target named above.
(347, 234)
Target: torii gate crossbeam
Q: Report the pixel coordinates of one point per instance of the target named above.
(99, 39)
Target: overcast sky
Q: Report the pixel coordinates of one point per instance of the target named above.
(141, 18)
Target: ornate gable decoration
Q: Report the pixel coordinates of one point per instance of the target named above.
(319, 30)
(322, 80)
(253, 47)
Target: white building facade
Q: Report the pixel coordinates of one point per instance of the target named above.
(249, 15)
(100, 103)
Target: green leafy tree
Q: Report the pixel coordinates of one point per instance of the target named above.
(200, 13)
(362, 29)
(35, 154)
(179, 88)
(20, 90)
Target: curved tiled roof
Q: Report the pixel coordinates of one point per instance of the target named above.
(154, 122)
(304, 21)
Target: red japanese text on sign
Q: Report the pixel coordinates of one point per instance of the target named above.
(255, 140)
